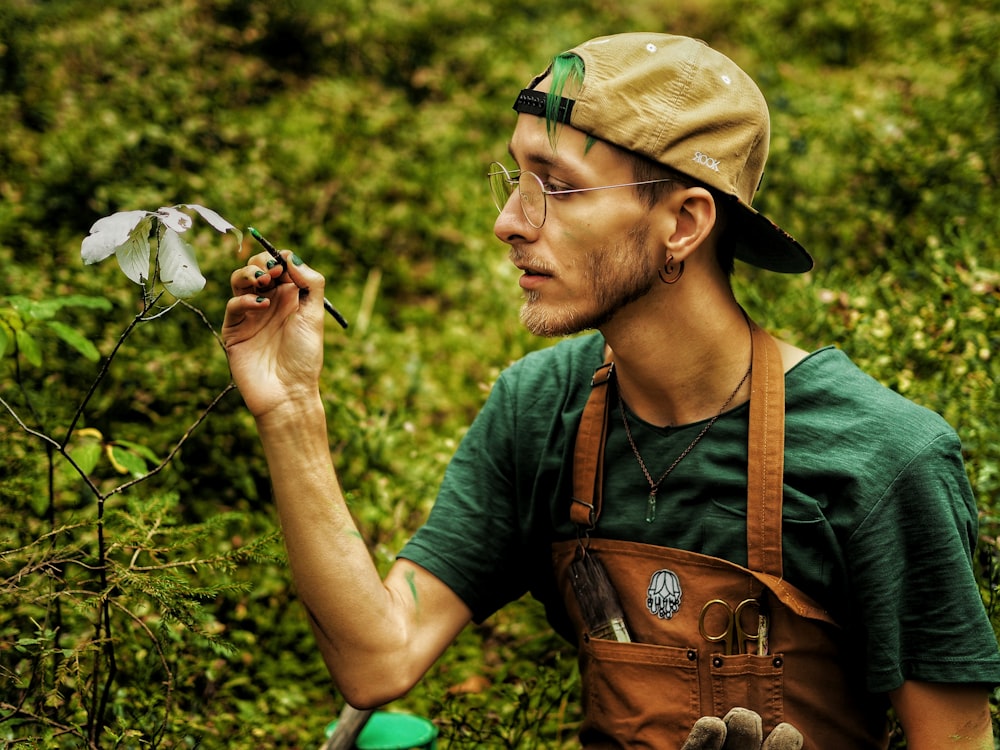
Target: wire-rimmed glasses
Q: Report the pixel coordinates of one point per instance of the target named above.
(532, 190)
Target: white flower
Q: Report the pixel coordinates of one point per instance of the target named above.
(126, 235)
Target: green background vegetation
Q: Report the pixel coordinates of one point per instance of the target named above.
(357, 132)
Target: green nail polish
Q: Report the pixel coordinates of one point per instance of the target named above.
(296, 259)
(261, 299)
(271, 264)
(258, 274)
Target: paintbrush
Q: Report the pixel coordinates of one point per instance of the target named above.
(277, 256)
(599, 603)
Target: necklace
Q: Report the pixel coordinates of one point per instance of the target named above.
(654, 487)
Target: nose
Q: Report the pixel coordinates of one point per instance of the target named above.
(511, 225)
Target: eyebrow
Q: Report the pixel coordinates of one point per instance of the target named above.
(545, 160)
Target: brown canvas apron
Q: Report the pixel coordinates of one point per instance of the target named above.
(648, 693)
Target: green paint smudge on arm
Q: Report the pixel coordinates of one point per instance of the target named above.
(411, 580)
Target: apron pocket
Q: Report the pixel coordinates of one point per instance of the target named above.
(749, 681)
(638, 694)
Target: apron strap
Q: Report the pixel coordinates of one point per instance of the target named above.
(588, 460)
(765, 463)
(765, 455)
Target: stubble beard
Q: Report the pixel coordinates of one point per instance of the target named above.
(615, 276)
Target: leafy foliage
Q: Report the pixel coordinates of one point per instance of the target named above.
(21, 317)
(358, 133)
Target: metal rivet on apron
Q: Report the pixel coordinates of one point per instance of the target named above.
(692, 655)
(717, 661)
(778, 661)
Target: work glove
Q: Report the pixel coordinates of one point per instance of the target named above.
(740, 730)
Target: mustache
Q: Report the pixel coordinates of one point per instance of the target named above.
(522, 259)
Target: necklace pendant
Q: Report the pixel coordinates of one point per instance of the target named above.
(651, 507)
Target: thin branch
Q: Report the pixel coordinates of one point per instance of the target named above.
(164, 662)
(39, 540)
(208, 324)
(194, 563)
(111, 661)
(162, 312)
(149, 538)
(106, 365)
(61, 448)
(173, 452)
(17, 712)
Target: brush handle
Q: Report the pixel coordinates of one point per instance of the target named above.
(327, 304)
(333, 311)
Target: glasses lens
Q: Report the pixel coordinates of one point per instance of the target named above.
(532, 198)
(501, 184)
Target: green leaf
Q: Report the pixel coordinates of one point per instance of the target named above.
(86, 455)
(80, 300)
(125, 461)
(85, 450)
(27, 345)
(5, 334)
(46, 308)
(75, 339)
(20, 304)
(139, 449)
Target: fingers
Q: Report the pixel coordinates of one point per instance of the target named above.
(744, 730)
(741, 730)
(708, 733)
(262, 274)
(311, 283)
(266, 294)
(784, 737)
(258, 274)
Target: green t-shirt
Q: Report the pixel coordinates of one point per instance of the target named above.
(879, 522)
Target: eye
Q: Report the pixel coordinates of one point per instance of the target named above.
(554, 188)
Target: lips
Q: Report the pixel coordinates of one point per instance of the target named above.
(532, 279)
(529, 266)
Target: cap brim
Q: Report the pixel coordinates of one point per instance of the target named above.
(762, 243)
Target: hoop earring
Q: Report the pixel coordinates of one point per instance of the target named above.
(671, 272)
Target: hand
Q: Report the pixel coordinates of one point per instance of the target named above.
(740, 730)
(273, 332)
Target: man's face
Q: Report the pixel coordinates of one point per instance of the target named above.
(592, 256)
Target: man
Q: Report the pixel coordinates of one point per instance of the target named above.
(783, 533)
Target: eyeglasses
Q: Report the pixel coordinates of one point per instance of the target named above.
(532, 190)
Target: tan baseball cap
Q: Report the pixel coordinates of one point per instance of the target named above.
(677, 101)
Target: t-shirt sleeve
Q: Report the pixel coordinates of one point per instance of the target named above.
(912, 577)
(471, 539)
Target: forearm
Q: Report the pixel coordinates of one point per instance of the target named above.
(362, 626)
(377, 638)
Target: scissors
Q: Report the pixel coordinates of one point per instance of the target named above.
(733, 637)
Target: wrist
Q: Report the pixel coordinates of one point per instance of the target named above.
(292, 415)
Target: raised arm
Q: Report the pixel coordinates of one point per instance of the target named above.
(377, 637)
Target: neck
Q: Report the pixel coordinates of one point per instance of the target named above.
(681, 365)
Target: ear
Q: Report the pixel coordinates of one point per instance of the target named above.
(690, 217)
